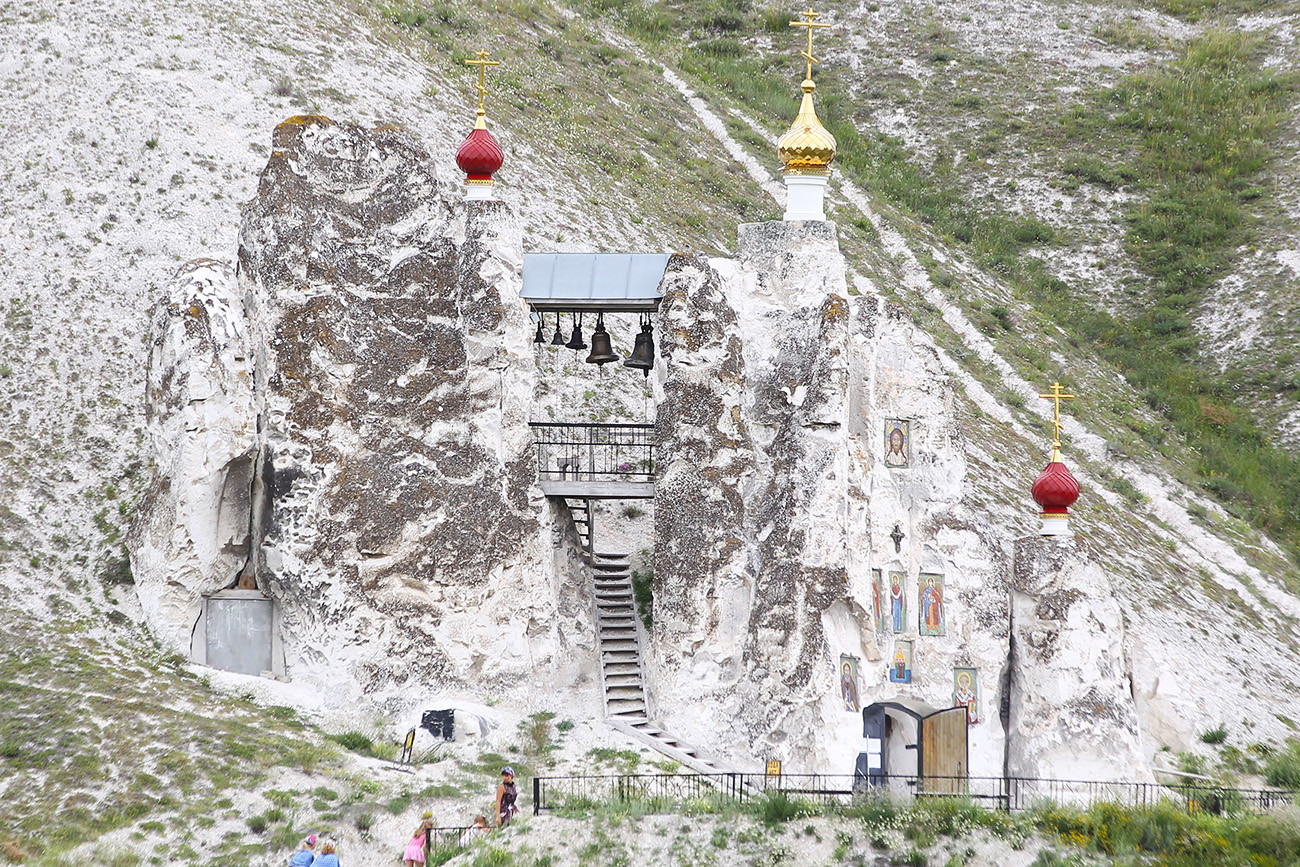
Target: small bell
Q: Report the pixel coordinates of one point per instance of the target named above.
(602, 352)
(576, 341)
(643, 351)
(558, 338)
(539, 337)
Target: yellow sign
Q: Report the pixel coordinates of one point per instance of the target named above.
(774, 767)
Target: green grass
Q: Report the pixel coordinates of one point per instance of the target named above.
(1198, 131)
(150, 761)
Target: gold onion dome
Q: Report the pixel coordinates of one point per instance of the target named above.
(807, 147)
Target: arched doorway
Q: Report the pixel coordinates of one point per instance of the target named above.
(909, 740)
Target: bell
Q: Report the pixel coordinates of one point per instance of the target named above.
(575, 340)
(643, 351)
(601, 350)
(557, 339)
(539, 337)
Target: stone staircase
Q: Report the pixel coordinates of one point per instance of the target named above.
(620, 652)
(620, 665)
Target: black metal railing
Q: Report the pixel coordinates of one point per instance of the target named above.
(667, 792)
(445, 839)
(594, 452)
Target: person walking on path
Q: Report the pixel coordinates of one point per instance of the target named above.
(328, 856)
(415, 850)
(305, 854)
(506, 797)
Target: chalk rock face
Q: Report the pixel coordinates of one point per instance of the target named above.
(193, 533)
(386, 479)
(1071, 699)
(774, 506)
(393, 380)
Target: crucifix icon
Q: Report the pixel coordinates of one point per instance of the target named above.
(810, 21)
(1057, 396)
(898, 537)
(482, 63)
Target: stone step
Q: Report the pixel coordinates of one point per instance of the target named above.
(630, 679)
(626, 693)
(616, 621)
(620, 706)
(622, 669)
(618, 644)
(619, 658)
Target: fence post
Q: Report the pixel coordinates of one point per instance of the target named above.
(537, 795)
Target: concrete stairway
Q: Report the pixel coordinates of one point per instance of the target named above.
(620, 666)
(620, 653)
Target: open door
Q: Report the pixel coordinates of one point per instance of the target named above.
(943, 755)
(871, 764)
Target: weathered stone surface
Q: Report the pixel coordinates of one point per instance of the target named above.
(1071, 697)
(192, 536)
(395, 513)
(774, 505)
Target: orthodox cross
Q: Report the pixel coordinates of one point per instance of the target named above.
(810, 21)
(898, 537)
(482, 63)
(1057, 396)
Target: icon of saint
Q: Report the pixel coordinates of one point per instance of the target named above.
(964, 695)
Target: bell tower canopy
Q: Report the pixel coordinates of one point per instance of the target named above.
(602, 282)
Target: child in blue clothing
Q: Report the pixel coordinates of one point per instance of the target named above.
(304, 856)
(327, 856)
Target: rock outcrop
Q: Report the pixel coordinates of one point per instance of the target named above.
(193, 534)
(1071, 701)
(396, 517)
(775, 504)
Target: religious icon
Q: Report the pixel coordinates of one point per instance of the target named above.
(849, 682)
(900, 667)
(897, 601)
(898, 443)
(878, 603)
(931, 605)
(965, 692)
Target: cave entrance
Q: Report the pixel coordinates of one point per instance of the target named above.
(911, 743)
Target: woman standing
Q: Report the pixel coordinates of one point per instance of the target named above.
(506, 797)
(414, 854)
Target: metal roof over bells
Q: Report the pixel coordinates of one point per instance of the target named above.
(608, 282)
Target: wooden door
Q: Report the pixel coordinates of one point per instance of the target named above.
(943, 759)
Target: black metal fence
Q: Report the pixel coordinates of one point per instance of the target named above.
(666, 792)
(441, 839)
(595, 452)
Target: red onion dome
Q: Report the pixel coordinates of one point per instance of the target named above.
(479, 156)
(1055, 489)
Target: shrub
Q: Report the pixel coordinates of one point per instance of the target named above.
(777, 808)
(1215, 735)
(1282, 767)
(354, 741)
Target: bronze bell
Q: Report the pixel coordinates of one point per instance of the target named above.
(539, 337)
(558, 338)
(576, 341)
(643, 351)
(602, 352)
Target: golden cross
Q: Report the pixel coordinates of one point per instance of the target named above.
(1057, 396)
(810, 21)
(482, 63)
